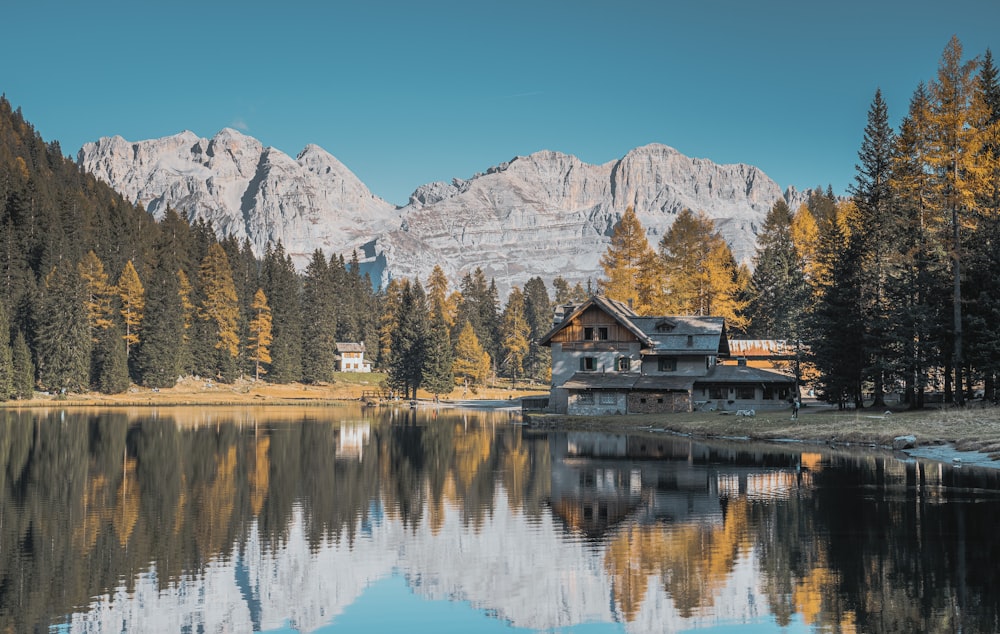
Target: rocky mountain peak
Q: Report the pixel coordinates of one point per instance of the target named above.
(544, 214)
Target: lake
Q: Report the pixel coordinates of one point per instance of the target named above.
(351, 519)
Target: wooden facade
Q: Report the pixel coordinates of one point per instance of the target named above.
(608, 360)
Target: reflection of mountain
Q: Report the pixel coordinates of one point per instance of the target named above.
(522, 570)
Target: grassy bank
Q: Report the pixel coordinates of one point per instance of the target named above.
(346, 386)
(971, 429)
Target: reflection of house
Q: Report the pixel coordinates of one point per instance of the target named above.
(351, 358)
(351, 440)
(606, 359)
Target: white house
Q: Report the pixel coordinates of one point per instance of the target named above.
(351, 358)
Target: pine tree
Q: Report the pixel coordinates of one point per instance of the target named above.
(133, 303)
(410, 340)
(260, 333)
(919, 270)
(7, 376)
(112, 377)
(62, 332)
(562, 291)
(870, 243)
(160, 357)
(728, 285)
(480, 307)
(220, 307)
(538, 312)
(437, 376)
(779, 292)
(24, 369)
(282, 286)
(320, 330)
(834, 324)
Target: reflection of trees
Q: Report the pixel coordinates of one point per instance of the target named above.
(906, 562)
(89, 501)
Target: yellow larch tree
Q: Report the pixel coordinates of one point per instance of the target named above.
(221, 305)
(631, 269)
(133, 303)
(260, 333)
(472, 362)
(99, 293)
(805, 238)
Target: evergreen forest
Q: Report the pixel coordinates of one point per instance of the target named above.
(892, 288)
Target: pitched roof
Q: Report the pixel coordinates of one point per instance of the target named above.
(681, 335)
(743, 374)
(350, 347)
(659, 335)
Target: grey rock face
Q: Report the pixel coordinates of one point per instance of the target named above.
(245, 190)
(546, 214)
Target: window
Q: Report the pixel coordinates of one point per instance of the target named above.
(602, 333)
(608, 398)
(716, 392)
(668, 364)
(690, 340)
(746, 393)
(585, 398)
(588, 333)
(588, 364)
(623, 365)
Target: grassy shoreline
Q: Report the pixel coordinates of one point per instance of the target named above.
(974, 428)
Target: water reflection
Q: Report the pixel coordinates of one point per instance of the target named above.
(258, 518)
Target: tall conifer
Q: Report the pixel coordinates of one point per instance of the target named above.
(319, 331)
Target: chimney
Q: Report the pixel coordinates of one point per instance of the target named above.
(741, 361)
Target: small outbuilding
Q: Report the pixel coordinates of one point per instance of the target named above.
(351, 358)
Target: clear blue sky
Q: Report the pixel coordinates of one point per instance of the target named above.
(406, 92)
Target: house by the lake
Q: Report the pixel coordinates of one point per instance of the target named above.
(606, 359)
(351, 358)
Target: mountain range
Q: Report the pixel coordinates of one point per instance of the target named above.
(546, 214)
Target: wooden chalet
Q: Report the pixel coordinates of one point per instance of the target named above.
(606, 359)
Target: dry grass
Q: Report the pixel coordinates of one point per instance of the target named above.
(973, 429)
(194, 391)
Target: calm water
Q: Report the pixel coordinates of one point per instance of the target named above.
(379, 520)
